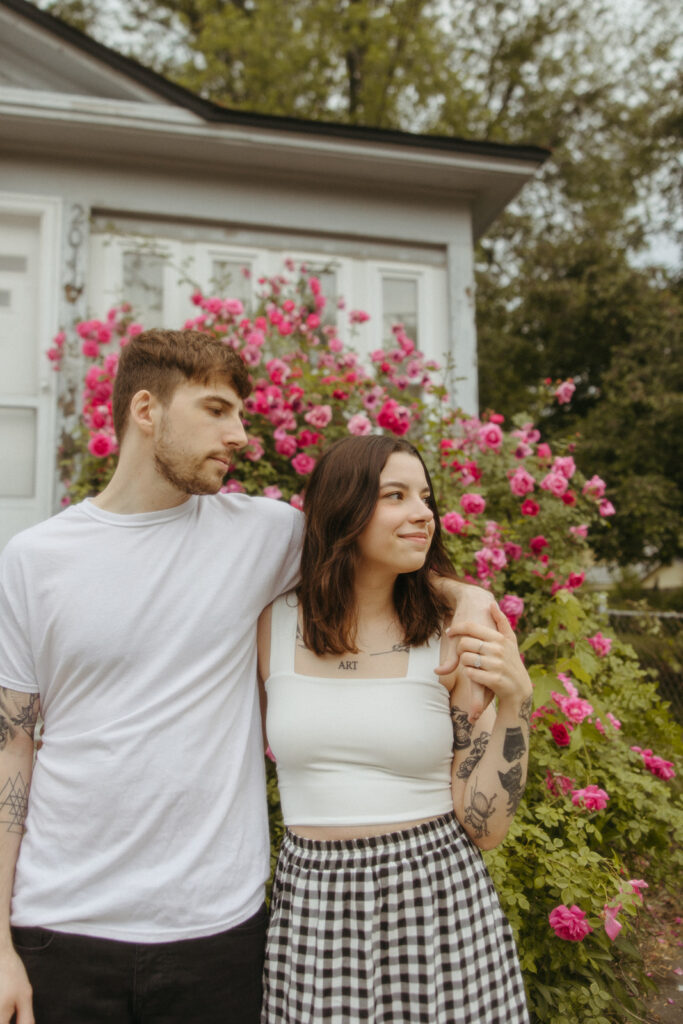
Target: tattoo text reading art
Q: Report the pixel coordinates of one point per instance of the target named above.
(462, 729)
(14, 804)
(17, 711)
(479, 745)
(479, 811)
(511, 782)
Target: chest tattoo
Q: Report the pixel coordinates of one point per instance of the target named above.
(396, 649)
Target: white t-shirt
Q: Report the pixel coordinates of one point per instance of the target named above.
(147, 817)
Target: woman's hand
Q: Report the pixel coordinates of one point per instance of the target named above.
(491, 658)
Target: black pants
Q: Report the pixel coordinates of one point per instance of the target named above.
(77, 979)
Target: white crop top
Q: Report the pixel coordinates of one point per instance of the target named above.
(357, 751)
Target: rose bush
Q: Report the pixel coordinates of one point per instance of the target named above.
(518, 518)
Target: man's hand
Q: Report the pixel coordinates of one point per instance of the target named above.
(15, 989)
(473, 609)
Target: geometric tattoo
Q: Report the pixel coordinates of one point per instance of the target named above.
(479, 746)
(511, 782)
(462, 729)
(514, 746)
(14, 804)
(479, 811)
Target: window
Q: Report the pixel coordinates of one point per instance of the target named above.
(157, 274)
(400, 306)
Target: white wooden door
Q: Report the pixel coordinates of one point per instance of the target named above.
(27, 385)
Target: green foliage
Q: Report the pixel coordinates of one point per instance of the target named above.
(311, 390)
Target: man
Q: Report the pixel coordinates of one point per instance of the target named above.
(129, 622)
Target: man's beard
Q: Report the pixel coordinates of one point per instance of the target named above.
(186, 478)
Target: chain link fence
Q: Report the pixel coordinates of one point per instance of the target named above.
(657, 638)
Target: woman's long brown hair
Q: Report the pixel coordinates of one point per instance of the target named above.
(340, 499)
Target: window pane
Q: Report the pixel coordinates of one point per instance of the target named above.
(399, 306)
(17, 453)
(328, 288)
(231, 279)
(143, 286)
(13, 264)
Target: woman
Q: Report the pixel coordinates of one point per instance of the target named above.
(382, 909)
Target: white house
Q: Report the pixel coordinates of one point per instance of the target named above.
(114, 182)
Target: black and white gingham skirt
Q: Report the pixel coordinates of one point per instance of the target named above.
(395, 929)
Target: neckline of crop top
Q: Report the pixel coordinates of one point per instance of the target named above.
(421, 660)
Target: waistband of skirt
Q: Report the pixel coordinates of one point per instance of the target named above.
(389, 846)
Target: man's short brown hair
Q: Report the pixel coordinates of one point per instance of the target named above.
(159, 360)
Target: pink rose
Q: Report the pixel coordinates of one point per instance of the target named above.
(286, 445)
(636, 885)
(521, 482)
(277, 370)
(561, 783)
(233, 487)
(612, 926)
(564, 465)
(591, 797)
(394, 417)
(490, 436)
(513, 551)
(472, 504)
(556, 483)
(594, 488)
(600, 644)
(513, 607)
(359, 425)
(560, 733)
(606, 508)
(614, 722)
(564, 391)
(297, 501)
(101, 445)
(319, 416)
(573, 706)
(537, 544)
(453, 522)
(251, 355)
(254, 450)
(529, 508)
(543, 452)
(579, 531)
(90, 348)
(569, 923)
(655, 764)
(234, 307)
(575, 580)
(272, 492)
(303, 464)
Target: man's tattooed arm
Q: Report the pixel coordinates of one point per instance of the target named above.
(18, 715)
